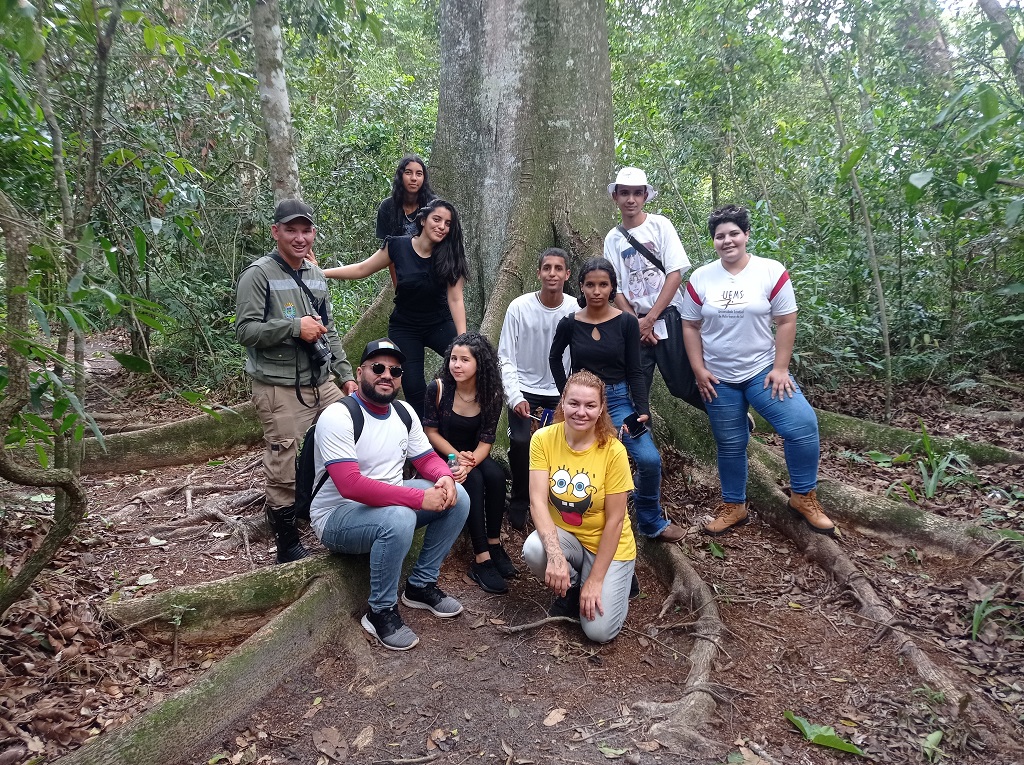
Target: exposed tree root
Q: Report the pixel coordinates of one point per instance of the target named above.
(197, 439)
(507, 630)
(678, 722)
(186, 725)
(212, 611)
(1013, 418)
(688, 429)
(861, 434)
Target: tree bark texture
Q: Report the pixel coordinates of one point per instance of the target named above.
(524, 145)
(274, 103)
(1008, 37)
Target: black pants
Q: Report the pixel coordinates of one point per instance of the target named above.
(669, 355)
(412, 341)
(519, 432)
(485, 486)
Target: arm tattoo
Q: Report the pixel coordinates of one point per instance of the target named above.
(552, 546)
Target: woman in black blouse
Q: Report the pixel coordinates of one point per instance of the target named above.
(460, 417)
(606, 341)
(410, 190)
(429, 310)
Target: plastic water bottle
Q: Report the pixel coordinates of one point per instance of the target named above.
(453, 462)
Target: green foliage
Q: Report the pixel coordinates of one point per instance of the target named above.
(822, 735)
(982, 610)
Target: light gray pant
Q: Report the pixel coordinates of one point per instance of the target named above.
(614, 593)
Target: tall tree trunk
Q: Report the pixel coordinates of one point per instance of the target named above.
(1008, 36)
(274, 102)
(524, 145)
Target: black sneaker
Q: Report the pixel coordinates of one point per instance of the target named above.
(568, 604)
(486, 574)
(634, 587)
(518, 511)
(502, 562)
(431, 598)
(388, 627)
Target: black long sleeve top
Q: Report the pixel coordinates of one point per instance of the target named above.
(613, 355)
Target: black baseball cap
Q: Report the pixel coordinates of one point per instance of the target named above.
(288, 210)
(380, 348)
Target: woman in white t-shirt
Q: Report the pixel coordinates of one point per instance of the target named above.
(728, 312)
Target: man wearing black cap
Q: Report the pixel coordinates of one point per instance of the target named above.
(283, 318)
(366, 507)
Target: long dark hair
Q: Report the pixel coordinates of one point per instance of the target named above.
(488, 374)
(597, 264)
(448, 258)
(424, 195)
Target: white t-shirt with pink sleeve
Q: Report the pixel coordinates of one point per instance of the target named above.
(736, 312)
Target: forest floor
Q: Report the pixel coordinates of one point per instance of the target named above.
(794, 640)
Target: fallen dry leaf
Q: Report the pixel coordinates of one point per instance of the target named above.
(555, 716)
(364, 739)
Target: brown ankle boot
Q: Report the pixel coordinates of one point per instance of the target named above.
(728, 516)
(808, 506)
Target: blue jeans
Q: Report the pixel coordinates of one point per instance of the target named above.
(647, 497)
(792, 418)
(386, 533)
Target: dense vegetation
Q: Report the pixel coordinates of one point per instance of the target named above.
(868, 135)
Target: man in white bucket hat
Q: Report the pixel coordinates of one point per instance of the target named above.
(649, 264)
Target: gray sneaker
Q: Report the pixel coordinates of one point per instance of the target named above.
(388, 627)
(431, 598)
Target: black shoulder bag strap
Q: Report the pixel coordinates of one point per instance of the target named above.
(320, 308)
(641, 249)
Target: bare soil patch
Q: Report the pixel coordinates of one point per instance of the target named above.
(794, 639)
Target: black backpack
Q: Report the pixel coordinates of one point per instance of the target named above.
(305, 460)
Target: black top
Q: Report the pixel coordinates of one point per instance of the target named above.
(462, 431)
(614, 356)
(388, 227)
(439, 414)
(421, 298)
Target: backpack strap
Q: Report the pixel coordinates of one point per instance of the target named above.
(403, 415)
(357, 416)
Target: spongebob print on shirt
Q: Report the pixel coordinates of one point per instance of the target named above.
(571, 494)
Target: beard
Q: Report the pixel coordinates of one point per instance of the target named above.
(370, 393)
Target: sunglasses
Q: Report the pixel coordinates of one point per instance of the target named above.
(378, 369)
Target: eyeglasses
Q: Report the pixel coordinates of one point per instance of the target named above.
(378, 369)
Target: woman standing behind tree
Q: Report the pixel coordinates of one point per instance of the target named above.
(429, 310)
(460, 417)
(410, 190)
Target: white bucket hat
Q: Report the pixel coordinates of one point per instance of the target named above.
(632, 176)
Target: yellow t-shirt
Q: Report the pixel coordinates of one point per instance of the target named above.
(578, 483)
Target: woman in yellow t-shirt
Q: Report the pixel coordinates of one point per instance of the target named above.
(583, 547)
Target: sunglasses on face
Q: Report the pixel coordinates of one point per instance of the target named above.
(378, 369)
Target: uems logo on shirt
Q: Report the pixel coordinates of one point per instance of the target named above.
(289, 310)
(731, 298)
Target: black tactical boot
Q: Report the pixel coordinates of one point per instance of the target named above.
(289, 546)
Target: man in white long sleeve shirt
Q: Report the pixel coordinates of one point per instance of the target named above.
(526, 336)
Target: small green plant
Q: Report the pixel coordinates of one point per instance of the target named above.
(937, 469)
(931, 697)
(822, 735)
(930, 746)
(982, 610)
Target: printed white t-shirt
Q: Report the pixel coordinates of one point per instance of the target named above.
(737, 312)
(381, 452)
(640, 281)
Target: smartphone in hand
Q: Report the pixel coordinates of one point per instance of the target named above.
(634, 427)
